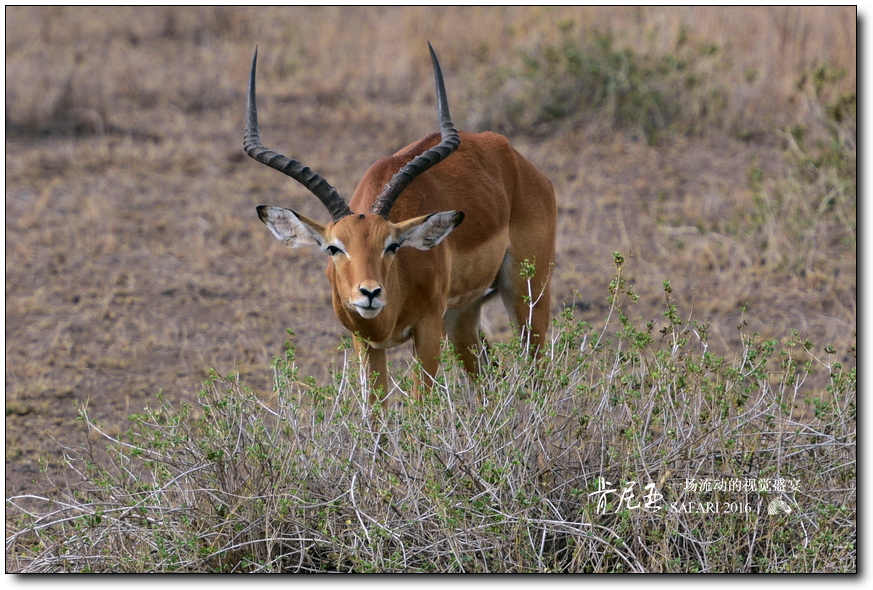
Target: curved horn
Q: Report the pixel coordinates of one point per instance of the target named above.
(449, 143)
(302, 174)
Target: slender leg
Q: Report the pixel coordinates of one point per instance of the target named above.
(539, 323)
(377, 364)
(518, 296)
(462, 327)
(426, 339)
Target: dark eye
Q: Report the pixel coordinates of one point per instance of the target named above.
(333, 250)
(392, 249)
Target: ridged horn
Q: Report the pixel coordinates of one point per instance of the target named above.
(317, 185)
(448, 144)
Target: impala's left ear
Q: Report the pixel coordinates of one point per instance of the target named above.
(426, 232)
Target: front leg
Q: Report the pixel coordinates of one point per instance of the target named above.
(426, 338)
(377, 364)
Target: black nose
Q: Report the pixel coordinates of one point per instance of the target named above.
(370, 294)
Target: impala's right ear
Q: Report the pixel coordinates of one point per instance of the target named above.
(292, 228)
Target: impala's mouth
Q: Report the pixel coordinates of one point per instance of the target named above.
(370, 311)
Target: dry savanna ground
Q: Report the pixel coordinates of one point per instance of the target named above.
(713, 147)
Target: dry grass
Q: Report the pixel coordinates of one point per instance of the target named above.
(135, 262)
(500, 475)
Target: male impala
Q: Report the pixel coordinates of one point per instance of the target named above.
(402, 265)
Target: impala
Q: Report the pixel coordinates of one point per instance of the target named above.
(401, 263)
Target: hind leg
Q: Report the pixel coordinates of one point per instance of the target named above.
(527, 299)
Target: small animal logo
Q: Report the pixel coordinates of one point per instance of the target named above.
(778, 505)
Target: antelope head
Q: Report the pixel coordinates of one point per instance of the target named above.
(361, 246)
(361, 249)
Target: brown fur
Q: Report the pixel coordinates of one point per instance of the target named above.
(510, 216)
